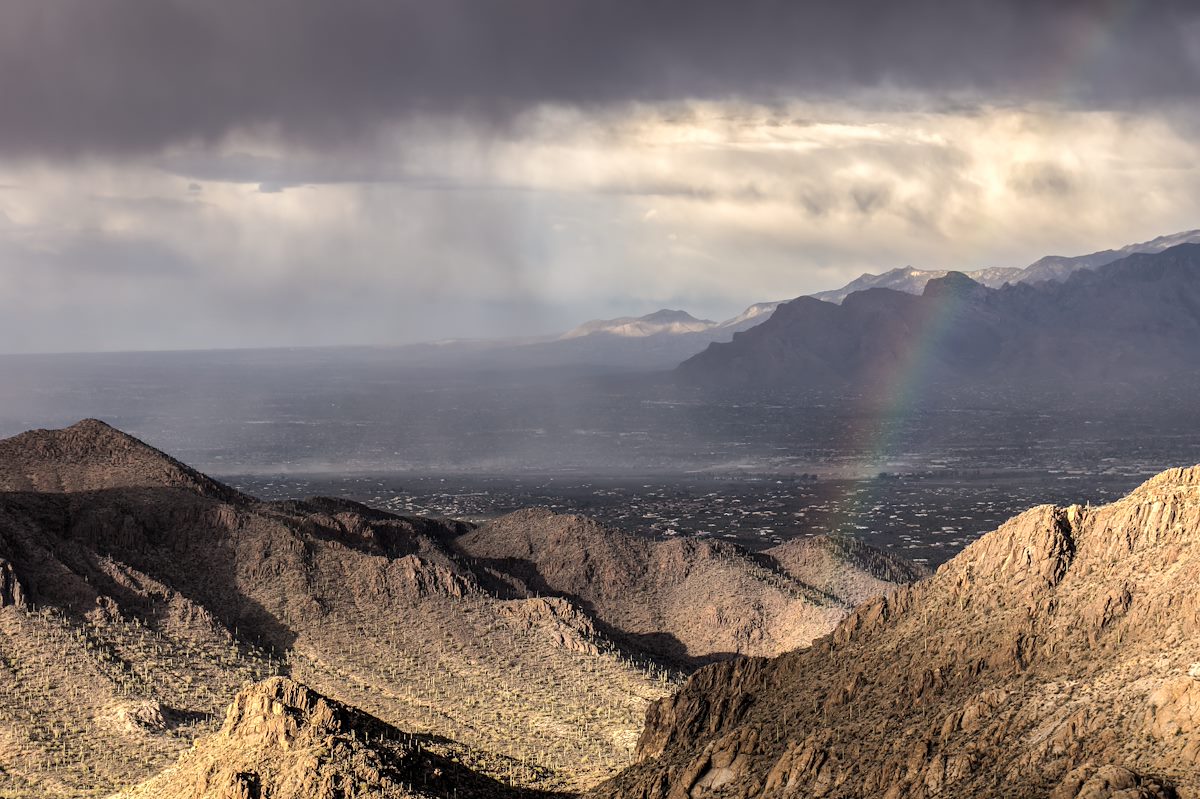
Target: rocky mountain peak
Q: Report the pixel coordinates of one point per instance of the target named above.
(667, 315)
(92, 455)
(280, 710)
(283, 740)
(954, 284)
(87, 439)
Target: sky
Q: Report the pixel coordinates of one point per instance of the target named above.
(218, 173)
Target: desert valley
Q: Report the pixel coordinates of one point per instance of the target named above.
(168, 636)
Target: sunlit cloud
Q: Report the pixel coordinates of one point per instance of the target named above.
(441, 229)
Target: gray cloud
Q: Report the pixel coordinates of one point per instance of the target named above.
(91, 255)
(203, 173)
(128, 76)
(1041, 177)
(277, 171)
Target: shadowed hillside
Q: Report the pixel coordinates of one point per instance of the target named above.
(1129, 325)
(138, 596)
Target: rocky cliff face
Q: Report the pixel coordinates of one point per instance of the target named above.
(1056, 656)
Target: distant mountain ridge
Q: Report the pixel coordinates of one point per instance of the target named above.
(1132, 319)
(666, 337)
(1051, 267)
(673, 323)
(913, 281)
(660, 322)
(658, 340)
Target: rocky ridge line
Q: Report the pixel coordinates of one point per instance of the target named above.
(1054, 656)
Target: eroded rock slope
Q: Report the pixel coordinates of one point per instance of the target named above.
(1057, 656)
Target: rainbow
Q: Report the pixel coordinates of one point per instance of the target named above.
(896, 394)
(897, 390)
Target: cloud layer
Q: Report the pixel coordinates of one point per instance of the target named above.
(121, 76)
(191, 173)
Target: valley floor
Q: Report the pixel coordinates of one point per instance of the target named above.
(927, 517)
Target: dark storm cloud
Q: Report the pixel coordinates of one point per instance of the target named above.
(112, 76)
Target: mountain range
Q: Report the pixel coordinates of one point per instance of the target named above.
(138, 597)
(664, 338)
(166, 636)
(1132, 322)
(1051, 267)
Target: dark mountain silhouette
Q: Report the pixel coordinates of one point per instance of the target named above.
(1133, 320)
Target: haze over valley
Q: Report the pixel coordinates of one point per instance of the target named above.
(907, 449)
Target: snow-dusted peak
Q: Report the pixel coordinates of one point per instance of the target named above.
(666, 321)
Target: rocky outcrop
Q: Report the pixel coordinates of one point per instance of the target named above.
(141, 717)
(1055, 655)
(1173, 717)
(1110, 782)
(282, 740)
(11, 592)
(559, 621)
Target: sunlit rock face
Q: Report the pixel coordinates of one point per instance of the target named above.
(1054, 656)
